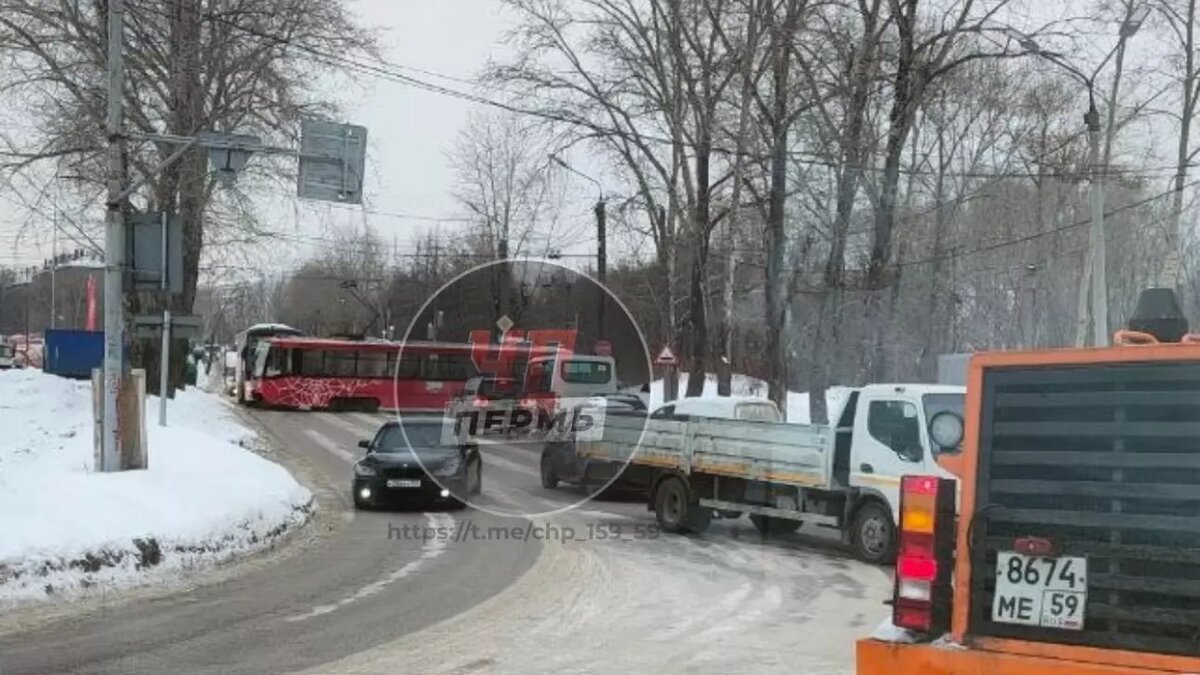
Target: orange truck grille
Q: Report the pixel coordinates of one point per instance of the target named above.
(1103, 463)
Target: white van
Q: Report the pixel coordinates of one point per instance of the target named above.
(571, 376)
(749, 408)
(6, 357)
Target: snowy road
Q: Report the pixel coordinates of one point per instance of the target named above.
(593, 589)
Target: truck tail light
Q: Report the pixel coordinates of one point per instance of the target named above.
(921, 600)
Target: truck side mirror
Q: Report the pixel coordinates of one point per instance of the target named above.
(365, 444)
(946, 431)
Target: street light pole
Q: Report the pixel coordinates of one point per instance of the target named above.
(1098, 243)
(601, 261)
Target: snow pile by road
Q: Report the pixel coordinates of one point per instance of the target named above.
(744, 385)
(65, 528)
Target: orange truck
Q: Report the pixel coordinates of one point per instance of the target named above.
(1074, 546)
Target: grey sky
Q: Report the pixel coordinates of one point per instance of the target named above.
(411, 129)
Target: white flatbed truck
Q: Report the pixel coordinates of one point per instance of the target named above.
(844, 476)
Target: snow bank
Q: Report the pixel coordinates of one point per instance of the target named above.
(65, 528)
(744, 385)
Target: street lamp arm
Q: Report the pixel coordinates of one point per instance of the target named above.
(1058, 60)
(577, 172)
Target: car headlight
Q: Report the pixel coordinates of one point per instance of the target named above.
(448, 467)
(365, 470)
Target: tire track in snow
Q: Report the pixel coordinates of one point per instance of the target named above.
(430, 549)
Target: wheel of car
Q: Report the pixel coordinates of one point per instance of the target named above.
(769, 526)
(549, 475)
(873, 534)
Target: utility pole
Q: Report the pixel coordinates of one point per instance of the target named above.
(601, 263)
(28, 297)
(54, 268)
(114, 246)
(601, 241)
(503, 278)
(1029, 324)
(1098, 244)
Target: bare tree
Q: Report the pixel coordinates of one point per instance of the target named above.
(504, 182)
(245, 65)
(1180, 16)
(646, 81)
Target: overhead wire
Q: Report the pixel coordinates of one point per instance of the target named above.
(389, 71)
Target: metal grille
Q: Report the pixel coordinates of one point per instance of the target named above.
(1104, 460)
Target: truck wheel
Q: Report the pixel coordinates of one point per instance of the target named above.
(549, 476)
(674, 510)
(769, 526)
(671, 505)
(873, 534)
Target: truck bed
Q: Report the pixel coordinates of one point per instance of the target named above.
(795, 454)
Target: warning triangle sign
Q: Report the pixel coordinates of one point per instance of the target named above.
(666, 357)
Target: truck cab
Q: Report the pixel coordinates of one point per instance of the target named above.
(882, 433)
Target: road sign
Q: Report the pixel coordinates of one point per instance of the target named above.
(182, 326)
(151, 258)
(333, 158)
(603, 348)
(666, 357)
(505, 324)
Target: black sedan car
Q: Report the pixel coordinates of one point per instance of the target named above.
(560, 463)
(418, 469)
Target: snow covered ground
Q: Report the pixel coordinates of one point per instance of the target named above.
(744, 385)
(65, 529)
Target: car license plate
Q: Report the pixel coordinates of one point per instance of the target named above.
(404, 483)
(1040, 591)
